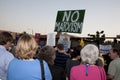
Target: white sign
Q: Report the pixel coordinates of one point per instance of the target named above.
(51, 39)
(104, 49)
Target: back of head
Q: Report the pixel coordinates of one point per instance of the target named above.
(116, 48)
(26, 47)
(89, 54)
(5, 37)
(75, 53)
(47, 53)
(60, 46)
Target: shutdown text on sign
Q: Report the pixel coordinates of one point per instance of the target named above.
(69, 21)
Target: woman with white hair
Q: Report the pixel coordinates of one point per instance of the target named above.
(87, 70)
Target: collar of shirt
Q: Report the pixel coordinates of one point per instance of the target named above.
(2, 47)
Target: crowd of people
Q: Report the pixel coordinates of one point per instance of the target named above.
(30, 62)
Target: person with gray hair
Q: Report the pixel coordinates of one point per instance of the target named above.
(87, 70)
(89, 54)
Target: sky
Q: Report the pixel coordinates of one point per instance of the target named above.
(39, 16)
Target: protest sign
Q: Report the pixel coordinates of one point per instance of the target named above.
(69, 21)
(104, 49)
(51, 39)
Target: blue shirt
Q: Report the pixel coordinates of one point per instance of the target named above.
(27, 70)
(5, 58)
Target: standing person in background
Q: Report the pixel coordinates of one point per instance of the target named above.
(61, 56)
(5, 56)
(107, 62)
(47, 53)
(24, 66)
(87, 70)
(114, 66)
(74, 61)
(100, 61)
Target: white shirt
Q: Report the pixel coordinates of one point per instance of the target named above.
(5, 58)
